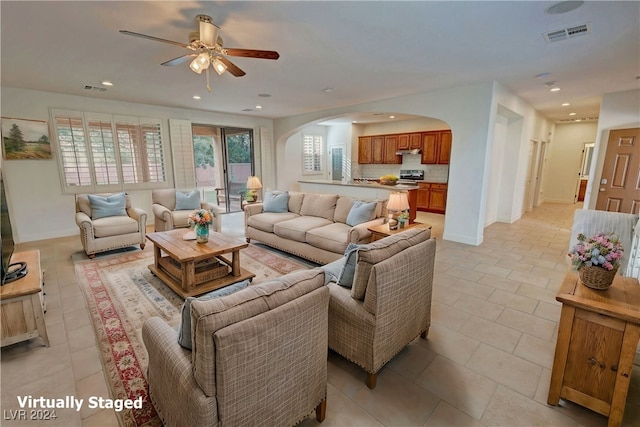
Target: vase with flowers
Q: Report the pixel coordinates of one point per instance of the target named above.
(201, 219)
(597, 259)
(403, 219)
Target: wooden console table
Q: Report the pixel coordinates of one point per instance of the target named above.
(597, 339)
(22, 303)
(381, 231)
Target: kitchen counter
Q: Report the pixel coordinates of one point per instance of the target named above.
(397, 187)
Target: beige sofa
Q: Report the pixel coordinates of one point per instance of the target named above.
(259, 357)
(314, 226)
(110, 232)
(166, 216)
(389, 303)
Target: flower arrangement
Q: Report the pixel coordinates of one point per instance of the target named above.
(602, 250)
(200, 217)
(404, 215)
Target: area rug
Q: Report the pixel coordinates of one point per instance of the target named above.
(121, 293)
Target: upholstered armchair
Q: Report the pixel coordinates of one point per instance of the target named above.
(258, 356)
(388, 302)
(171, 208)
(107, 222)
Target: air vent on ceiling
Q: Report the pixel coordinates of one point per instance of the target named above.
(567, 33)
(95, 88)
(248, 109)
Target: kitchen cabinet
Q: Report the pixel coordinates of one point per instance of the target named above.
(432, 197)
(390, 149)
(436, 147)
(410, 141)
(377, 148)
(365, 152)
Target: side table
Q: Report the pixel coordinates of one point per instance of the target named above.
(22, 303)
(598, 335)
(380, 231)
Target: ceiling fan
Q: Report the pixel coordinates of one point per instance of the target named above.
(207, 49)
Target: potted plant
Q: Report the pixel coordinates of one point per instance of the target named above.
(597, 259)
(403, 218)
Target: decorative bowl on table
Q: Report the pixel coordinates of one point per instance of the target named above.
(388, 180)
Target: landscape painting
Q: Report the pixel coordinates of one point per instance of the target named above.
(25, 139)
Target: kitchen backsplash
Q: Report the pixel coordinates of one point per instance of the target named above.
(432, 173)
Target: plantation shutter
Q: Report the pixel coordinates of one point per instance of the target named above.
(72, 144)
(184, 172)
(141, 152)
(103, 149)
(312, 154)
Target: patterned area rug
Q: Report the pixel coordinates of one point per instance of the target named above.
(121, 293)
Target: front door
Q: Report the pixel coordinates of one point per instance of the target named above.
(619, 189)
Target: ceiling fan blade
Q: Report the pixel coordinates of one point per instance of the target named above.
(231, 67)
(180, 59)
(158, 39)
(252, 53)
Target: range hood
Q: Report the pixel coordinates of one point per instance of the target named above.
(412, 152)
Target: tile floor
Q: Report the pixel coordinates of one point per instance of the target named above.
(487, 360)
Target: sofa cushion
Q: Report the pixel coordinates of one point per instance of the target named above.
(295, 201)
(361, 212)
(165, 197)
(296, 228)
(319, 205)
(114, 226)
(332, 237)
(188, 201)
(266, 220)
(343, 207)
(180, 218)
(184, 329)
(380, 250)
(104, 206)
(276, 202)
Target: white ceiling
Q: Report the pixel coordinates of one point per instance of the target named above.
(364, 51)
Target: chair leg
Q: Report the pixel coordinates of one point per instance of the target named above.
(321, 411)
(371, 380)
(424, 333)
(91, 256)
(248, 240)
(142, 246)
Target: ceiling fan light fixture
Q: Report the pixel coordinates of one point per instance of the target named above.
(219, 66)
(201, 62)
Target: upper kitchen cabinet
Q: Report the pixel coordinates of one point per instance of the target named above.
(436, 147)
(365, 150)
(409, 141)
(390, 150)
(377, 146)
(378, 149)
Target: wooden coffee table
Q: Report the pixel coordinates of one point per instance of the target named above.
(191, 268)
(381, 231)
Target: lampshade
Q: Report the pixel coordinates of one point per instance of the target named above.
(398, 202)
(200, 63)
(253, 183)
(219, 66)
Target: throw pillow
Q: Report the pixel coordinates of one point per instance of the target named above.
(104, 206)
(332, 270)
(349, 268)
(184, 330)
(360, 212)
(276, 202)
(188, 201)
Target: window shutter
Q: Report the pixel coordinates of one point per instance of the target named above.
(184, 174)
(72, 144)
(103, 149)
(312, 154)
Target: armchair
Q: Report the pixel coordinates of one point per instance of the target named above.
(119, 228)
(167, 217)
(389, 303)
(258, 358)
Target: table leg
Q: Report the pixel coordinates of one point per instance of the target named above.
(625, 366)
(188, 275)
(36, 306)
(560, 358)
(235, 263)
(156, 256)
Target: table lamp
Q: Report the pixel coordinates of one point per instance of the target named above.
(253, 185)
(398, 202)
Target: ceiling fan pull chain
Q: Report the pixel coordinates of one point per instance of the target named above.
(208, 86)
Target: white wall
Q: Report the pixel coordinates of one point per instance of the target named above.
(37, 206)
(292, 166)
(564, 157)
(619, 110)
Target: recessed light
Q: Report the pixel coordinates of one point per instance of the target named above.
(107, 83)
(554, 89)
(264, 95)
(258, 107)
(572, 114)
(542, 75)
(196, 97)
(328, 90)
(565, 104)
(355, 121)
(392, 117)
(578, 120)
(563, 7)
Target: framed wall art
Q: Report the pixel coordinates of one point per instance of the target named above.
(25, 139)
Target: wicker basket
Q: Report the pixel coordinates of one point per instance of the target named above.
(205, 270)
(595, 277)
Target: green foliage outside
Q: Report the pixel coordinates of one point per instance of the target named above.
(203, 151)
(239, 148)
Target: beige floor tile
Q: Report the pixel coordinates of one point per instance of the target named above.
(33, 364)
(465, 273)
(92, 386)
(536, 350)
(505, 368)
(471, 288)
(542, 294)
(412, 360)
(81, 338)
(529, 278)
(527, 323)
(517, 302)
(448, 316)
(104, 418)
(500, 283)
(491, 333)
(346, 377)
(548, 311)
(85, 362)
(451, 344)
(342, 411)
(461, 387)
(446, 415)
(478, 307)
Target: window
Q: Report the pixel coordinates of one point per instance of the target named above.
(312, 154)
(107, 152)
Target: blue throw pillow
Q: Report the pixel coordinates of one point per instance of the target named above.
(349, 267)
(360, 212)
(184, 330)
(276, 202)
(186, 201)
(104, 206)
(332, 270)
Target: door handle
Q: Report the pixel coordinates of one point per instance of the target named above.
(602, 190)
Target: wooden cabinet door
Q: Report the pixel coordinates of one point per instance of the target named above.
(444, 148)
(415, 141)
(430, 148)
(438, 198)
(365, 153)
(404, 142)
(377, 148)
(390, 148)
(424, 191)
